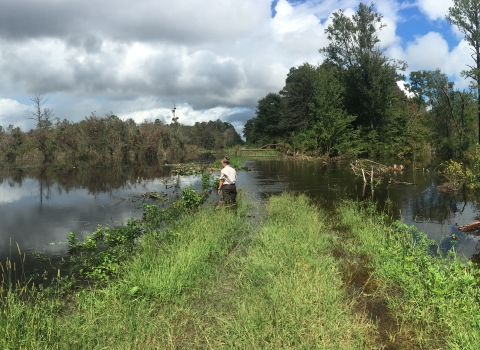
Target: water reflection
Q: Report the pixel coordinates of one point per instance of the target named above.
(39, 206)
(421, 204)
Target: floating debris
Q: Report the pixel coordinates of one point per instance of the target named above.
(374, 171)
(473, 226)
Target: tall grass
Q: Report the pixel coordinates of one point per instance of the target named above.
(205, 282)
(213, 280)
(436, 300)
(284, 290)
(127, 313)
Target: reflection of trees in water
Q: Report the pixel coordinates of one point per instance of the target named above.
(476, 257)
(94, 179)
(44, 186)
(436, 206)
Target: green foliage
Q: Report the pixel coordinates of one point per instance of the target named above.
(369, 77)
(288, 289)
(206, 181)
(331, 125)
(190, 198)
(451, 112)
(267, 126)
(454, 172)
(110, 139)
(467, 173)
(214, 135)
(434, 299)
(169, 266)
(417, 136)
(235, 162)
(273, 284)
(297, 95)
(464, 15)
(100, 254)
(350, 104)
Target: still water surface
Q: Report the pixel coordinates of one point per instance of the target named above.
(39, 206)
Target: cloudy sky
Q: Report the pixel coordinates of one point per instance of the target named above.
(211, 58)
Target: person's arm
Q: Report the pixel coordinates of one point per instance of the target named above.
(220, 184)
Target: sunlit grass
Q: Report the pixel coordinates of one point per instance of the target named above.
(285, 289)
(218, 279)
(435, 300)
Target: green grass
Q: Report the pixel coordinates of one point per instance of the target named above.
(436, 301)
(285, 289)
(219, 279)
(235, 162)
(130, 311)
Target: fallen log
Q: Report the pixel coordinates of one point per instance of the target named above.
(395, 182)
(473, 226)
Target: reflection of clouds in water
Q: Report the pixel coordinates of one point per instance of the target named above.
(41, 224)
(183, 180)
(11, 194)
(28, 193)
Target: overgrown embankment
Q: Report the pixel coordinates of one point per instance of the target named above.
(214, 280)
(434, 301)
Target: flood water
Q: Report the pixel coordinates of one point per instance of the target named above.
(40, 206)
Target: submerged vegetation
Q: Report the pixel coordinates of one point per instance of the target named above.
(298, 278)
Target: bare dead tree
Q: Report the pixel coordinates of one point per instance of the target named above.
(44, 116)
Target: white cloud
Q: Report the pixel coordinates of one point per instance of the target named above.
(210, 57)
(290, 19)
(427, 52)
(401, 85)
(431, 52)
(21, 192)
(387, 35)
(435, 9)
(13, 112)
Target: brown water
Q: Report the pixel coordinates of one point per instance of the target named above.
(39, 206)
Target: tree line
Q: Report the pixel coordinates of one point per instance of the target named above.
(351, 103)
(111, 139)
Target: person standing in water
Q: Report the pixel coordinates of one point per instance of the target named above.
(226, 186)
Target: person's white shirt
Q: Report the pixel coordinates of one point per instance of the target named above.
(229, 175)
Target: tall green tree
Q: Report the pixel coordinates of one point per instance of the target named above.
(351, 39)
(450, 112)
(465, 15)
(266, 127)
(368, 75)
(298, 94)
(330, 121)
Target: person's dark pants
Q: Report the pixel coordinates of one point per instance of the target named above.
(229, 193)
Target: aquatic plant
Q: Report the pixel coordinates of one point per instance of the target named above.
(235, 162)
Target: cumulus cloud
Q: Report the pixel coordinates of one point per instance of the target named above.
(431, 52)
(213, 58)
(183, 21)
(435, 9)
(13, 112)
(435, 45)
